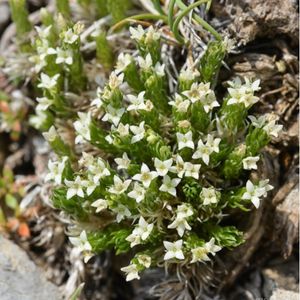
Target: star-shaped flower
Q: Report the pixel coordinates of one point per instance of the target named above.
(180, 224)
(138, 131)
(185, 140)
(173, 250)
(131, 271)
(124, 162)
(100, 204)
(119, 186)
(253, 193)
(209, 196)
(250, 162)
(146, 176)
(75, 187)
(169, 185)
(138, 193)
(162, 167)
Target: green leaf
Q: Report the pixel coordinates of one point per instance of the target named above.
(228, 236)
(11, 201)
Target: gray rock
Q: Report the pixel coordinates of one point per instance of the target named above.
(4, 15)
(20, 278)
(280, 294)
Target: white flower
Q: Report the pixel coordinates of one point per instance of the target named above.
(113, 115)
(273, 129)
(137, 33)
(137, 102)
(122, 129)
(185, 140)
(146, 176)
(124, 60)
(243, 93)
(169, 185)
(86, 159)
(75, 187)
(51, 135)
(124, 162)
(152, 35)
(97, 101)
(192, 170)
(180, 104)
(44, 103)
(162, 167)
(56, 169)
(43, 32)
(115, 80)
(122, 211)
(82, 126)
(119, 186)
(201, 253)
(258, 122)
(98, 169)
(138, 193)
(198, 92)
(48, 82)
(209, 196)
(209, 102)
(174, 250)
(133, 239)
(100, 205)
(179, 168)
(131, 271)
(205, 150)
(213, 143)
(143, 229)
(181, 225)
(159, 69)
(264, 184)
(138, 131)
(252, 86)
(83, 245)
(109, 138)
(38, 63)
(253, 193)
(188, 74)
(38, 120)
(250, 162)
(184, 211)
(70, 37)
(145, 63)
(144, 260)
(90, 185)
(64, 56)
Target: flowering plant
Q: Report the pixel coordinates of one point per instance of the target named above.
(150, 162)
(162, 168)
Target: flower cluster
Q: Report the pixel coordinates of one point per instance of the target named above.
(160, 170)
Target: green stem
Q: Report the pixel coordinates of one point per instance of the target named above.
(170, 13)
(157, 6)
(203, 23)
(139, 17)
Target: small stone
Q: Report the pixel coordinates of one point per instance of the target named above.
(20, 278)
(280, 294)
(4, 15)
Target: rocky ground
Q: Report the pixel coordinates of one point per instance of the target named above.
(266, 267)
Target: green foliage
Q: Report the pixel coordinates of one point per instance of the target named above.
(63, 7)
(19, 14)
(118, 9)
(104, 51)
(211, 61)
(227, 236)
